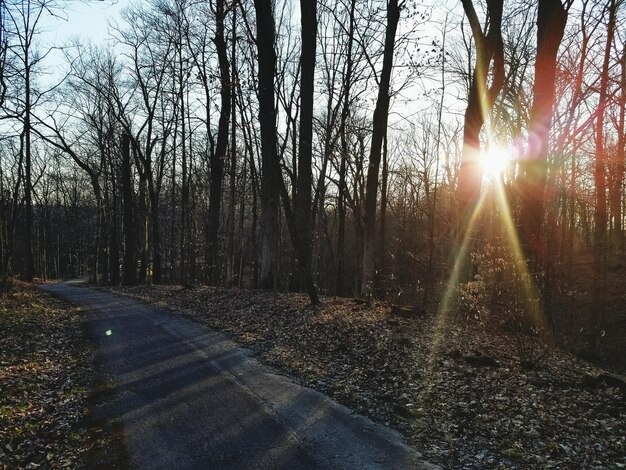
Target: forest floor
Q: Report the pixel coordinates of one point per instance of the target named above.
(47, 385)
(458, 394)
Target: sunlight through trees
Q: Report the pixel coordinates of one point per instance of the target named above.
(347, 147)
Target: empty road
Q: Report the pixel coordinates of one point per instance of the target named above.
(189, 398)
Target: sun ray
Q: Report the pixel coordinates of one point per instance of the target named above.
(442, 324)
(530, 291)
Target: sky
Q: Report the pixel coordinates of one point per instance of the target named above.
(85, 20)
(88, 20)
(81, 18)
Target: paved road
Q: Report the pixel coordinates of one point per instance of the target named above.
(189, 398)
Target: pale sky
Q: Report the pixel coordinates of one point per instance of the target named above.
(86, 20)
(82, 18)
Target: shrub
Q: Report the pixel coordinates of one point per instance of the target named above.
(502, 295)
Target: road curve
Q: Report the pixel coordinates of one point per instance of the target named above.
(189, 398)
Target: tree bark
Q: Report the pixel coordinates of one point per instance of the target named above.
(341, 197)
(114, 255)
(142, 229)
(28, 183)
(617, 164)
(379, 128)
(480, 101)
(218, 158)
(269, 157)
(601, 216)
(383, 209)
(308, 19)
(130, 262)
(551, 20)
(230, 266)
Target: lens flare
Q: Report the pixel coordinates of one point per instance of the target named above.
(494, 161)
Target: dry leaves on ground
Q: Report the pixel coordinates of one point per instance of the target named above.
(45, 374)
(423, 377)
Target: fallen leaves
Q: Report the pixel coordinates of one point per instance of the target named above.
(459, 395)
(44, 364)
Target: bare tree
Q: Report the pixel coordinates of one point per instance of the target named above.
(308, 15)
(489, 55)
(381, 114)
(551, 20)
(270, 170)
(20, 28)
(601, 216)
(219, 156)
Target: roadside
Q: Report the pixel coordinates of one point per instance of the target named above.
(467, 402)
(48, 385)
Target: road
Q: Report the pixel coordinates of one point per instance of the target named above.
(189, 398)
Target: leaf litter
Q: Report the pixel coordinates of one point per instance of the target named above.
(405, 372)
(45, 378)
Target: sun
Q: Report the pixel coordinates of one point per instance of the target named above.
(494, 161)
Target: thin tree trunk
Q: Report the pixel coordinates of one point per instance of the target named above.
(383, 210)
(155, 239)
(617, 170)
(381, 114)
(242, 214)
(28, 184)
(230, 267)
(254, 183)
(98, 238)
(341, 197)
(601, 216)
(219, 157)
(143, 229)
(184, 186)
(433, 211)
(172, 254)
(130, 263)
(114, 255)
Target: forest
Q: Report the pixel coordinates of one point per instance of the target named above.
(464, 158)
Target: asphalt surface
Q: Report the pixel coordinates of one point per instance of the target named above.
(189, 398)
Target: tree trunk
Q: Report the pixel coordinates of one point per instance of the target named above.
(601, 216)
(218, 158)
(267, 120)
(431, 276)
(142, 229)
(341, 197)
(383, 210)
(130, 263)
(114, 255)
(551, 20)
(230, 265)
(249, 143)
(184, 184)
(379, 128)
(617, 165)
(98, 229)
(308, 19)
(480, 101)
(28, 183)
(155, 241)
